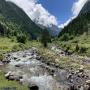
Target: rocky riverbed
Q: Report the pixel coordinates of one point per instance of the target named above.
(29, 68)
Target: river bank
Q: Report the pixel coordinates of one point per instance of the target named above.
(31, 69)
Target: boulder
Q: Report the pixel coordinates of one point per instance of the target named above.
(17, 65)
(15, 58)
(5, 61)
(11, 78)
(88, 82)
(81, 69)
(33, 87)
(8, 74)
(87, 85)
(21, 81)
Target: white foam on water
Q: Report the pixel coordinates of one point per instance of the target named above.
(45, 82)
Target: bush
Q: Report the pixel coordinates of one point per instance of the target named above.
(83, 49)
(77, 48)
(65, 37)
(15, 48)
(1, 57)
(67, 49)
(21, 38)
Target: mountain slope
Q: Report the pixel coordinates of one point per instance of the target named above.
(76, 36)
(86, 8)
(10, 13)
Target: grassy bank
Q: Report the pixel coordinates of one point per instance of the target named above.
(11, 45)
(10, 84)
(79, 45)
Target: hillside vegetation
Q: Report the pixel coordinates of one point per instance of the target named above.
(75, 37)
(16, 20)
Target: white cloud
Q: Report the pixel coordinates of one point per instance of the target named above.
(66, 23)
(36, 12)
(77, 6)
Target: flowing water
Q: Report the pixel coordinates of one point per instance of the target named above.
(36, 71)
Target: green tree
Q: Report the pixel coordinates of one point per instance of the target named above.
(45, 37)
(77, 48)
(21, 38)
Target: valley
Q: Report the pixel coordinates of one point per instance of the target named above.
(34, 57)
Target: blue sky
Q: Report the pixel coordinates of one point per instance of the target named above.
(60, 12)
(61, 9)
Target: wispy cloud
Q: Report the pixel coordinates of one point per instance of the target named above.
(66, 23)
(76, 8)
(36, 12)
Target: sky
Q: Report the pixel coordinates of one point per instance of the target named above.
(48, 12)
(61, 9)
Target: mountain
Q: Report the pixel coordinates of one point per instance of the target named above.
(86, 8)
(14, 18)
(75, 37)
(52, 29)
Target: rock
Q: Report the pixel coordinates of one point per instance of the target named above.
(87, 85)
(17, 78)
(69, 76)
(21, 81)
(8, 55)
(33, 87)
(57, 66)
(15, 58)
(18, 60)
(87, 82)
(1, 63)
(17, 65)
(73, 87)
(71, 80)
(81, 68)
(48, 63)
(79, 75)
(20, 77)
(7, 75)
(24, 55)
(5, 61)
(11, 77)
(38, 58)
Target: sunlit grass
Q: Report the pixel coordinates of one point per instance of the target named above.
(11, 84)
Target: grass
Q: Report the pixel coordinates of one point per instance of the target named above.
(11, 45)
(83, 42)
(63, 61)
(10, 84)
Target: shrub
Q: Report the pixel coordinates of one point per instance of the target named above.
(65, 37)
(21, 38)
(1, 57)
(15, 48)
(77, 48)
(67, 48)
(83, 49)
